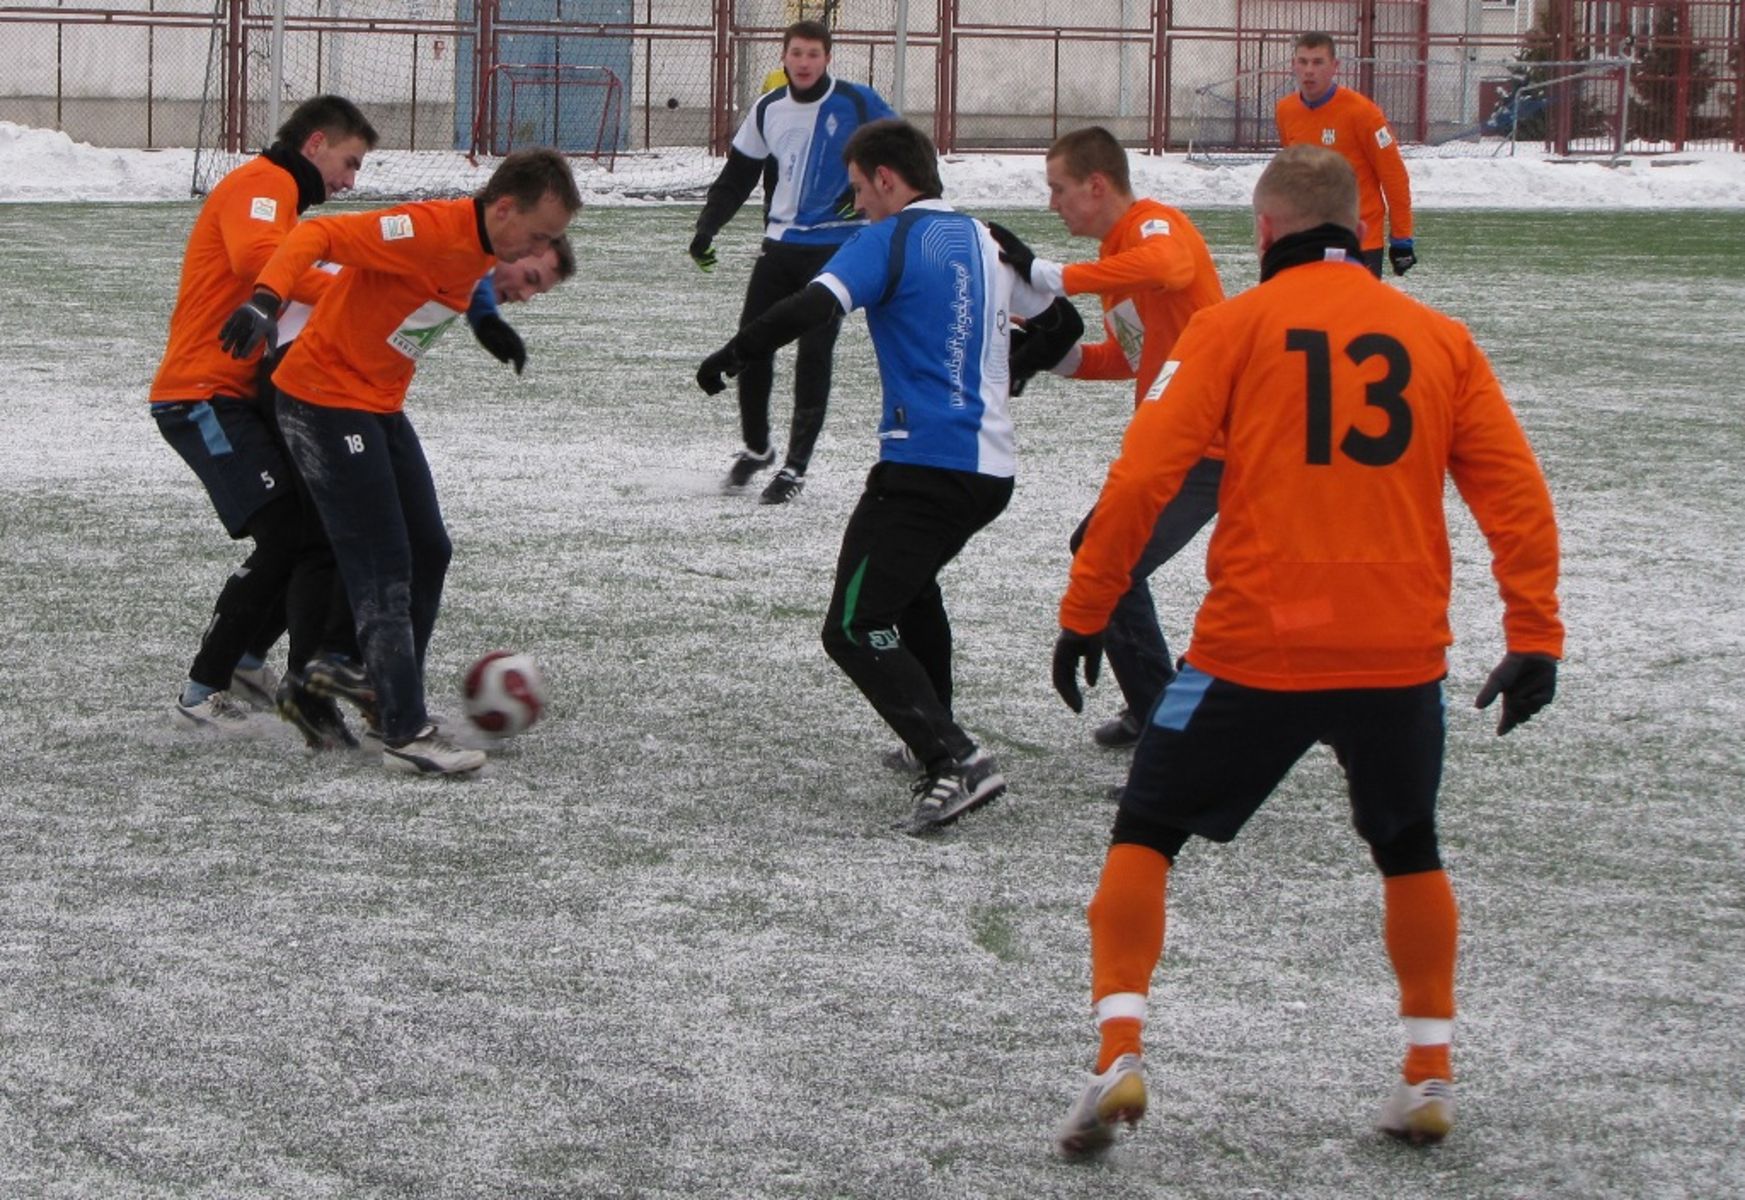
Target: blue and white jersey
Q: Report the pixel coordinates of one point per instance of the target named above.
(806, 140)
(938, 303)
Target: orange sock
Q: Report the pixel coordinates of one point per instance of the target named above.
(1126, 917)
(1421, 928)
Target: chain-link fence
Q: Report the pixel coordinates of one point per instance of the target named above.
(977, 74)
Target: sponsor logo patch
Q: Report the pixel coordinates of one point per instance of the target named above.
(1156, 227)
(1155, 391)
(1383, 138)
(396, 226)
(263, 208)
(1329, 136)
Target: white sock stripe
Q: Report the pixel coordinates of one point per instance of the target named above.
(1429, 1031)
(1120, 1004)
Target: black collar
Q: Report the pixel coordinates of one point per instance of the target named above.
(1310, 245)
(311, 188)
(479, 220)
(815, 92)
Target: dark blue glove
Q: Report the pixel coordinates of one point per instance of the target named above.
(1526, 682)
(499, 337)
(1070, 649)
(251, 325)
(1401, 256)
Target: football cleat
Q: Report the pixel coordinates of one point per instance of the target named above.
(1118, 733)
(255, 687)
(961, 788)
(1419, 1113)
(1116, 1095)
(335, 677)
(431, 752)
(783, 488)
(219, 712)
(316, 717)
(746, 464)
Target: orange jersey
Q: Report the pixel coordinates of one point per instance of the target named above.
(1353, 125)
(241, 224)
(410, 273)
(1344, 404)
(1153, 272)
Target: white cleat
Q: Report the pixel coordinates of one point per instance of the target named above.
(1419, 1113)
(432, 752)
(257, 687)
(218, 713)
(1116, 1095)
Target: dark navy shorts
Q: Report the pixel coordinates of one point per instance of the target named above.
(1213, 751)
(234, 451)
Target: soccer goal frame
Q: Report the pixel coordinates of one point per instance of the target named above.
(524, 104)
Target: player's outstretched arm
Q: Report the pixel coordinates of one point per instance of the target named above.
(1040, 273)
(784, 322)
(1044, 341)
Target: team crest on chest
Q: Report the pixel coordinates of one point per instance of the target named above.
(1329, 136)
(830, 125)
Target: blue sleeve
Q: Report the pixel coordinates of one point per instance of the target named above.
(878, 110)
(484, 302)
(862, 266)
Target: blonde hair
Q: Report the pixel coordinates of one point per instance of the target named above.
(1086, 151)
(1306, 186)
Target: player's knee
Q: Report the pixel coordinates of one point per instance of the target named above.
(1134, 827)
(1412, 850)
(277, 530)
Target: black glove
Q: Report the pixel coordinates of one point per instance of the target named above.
(703, 253)
(1070, 649)
(725, 361)
(847, 207)
(1041, 344)
(1021, 368)
(1013, 250)
(499, 337)
(251, 325)
(1400, 254)
(1526, 682)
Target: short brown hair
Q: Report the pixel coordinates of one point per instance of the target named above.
(529, 175)
(1084, 152)
(565, 251)
(335, 116)
(809, 31)
(894, 143)
(1316, 41)
(1305, 186)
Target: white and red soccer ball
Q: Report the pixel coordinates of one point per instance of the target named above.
(504, 693)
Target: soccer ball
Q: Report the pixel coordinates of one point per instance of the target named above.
(504, 693)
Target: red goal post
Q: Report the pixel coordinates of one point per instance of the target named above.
(579, 110)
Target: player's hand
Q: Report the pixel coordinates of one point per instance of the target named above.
(499, 337)
(724, 362)
(1526, 682)
(1013, 251)
(1070, 649)
(251, 325)
(1401, 255)
(847, 207)
(703, 253)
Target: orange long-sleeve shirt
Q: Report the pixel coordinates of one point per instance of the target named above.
(245, 218)
(1153, 272)
(410, 273)
(1355, 126)
(1345, 404)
